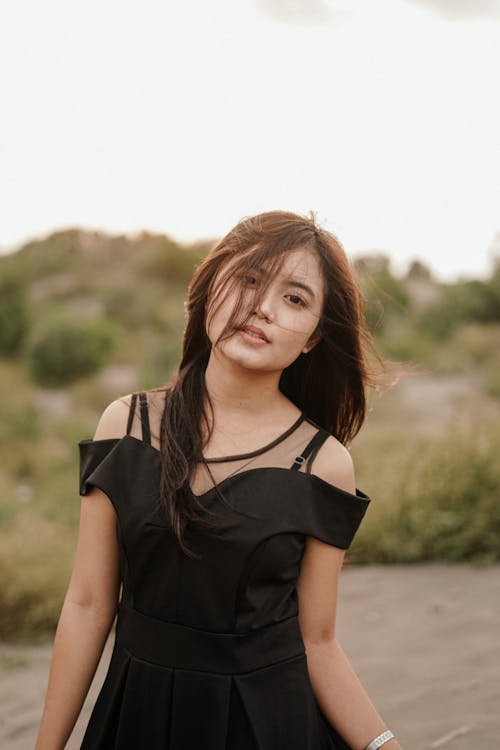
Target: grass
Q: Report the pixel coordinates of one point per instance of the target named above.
(433, 498)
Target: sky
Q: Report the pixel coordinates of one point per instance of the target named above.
(381, 116)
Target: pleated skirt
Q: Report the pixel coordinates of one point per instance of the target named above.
(173, 687)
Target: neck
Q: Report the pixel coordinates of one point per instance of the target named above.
(236, 390)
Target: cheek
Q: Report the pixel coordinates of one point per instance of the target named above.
(213, 326)
(300, 327)
(211, 319)
(291, 346)
(217, 315)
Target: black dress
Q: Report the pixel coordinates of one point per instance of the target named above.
(208, 653)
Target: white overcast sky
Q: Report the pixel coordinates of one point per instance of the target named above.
(383, 116)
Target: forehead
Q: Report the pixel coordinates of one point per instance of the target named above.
(301, 263)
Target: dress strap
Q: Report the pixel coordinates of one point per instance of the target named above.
(146, 430)
(131, 412)
(313, 445)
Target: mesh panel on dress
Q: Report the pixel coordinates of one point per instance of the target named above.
(280, 455)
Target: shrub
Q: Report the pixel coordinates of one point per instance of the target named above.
(384, 295)
(467, 301)
(62, 351)
(441, 503)
(13, 315)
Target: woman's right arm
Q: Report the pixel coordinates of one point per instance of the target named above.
(88, 609)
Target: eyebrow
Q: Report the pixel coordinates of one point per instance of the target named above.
(292, 281)
(300, 284)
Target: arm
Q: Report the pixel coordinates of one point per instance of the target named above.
(88, 609)
(336, 686)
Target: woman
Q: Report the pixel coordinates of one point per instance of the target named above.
(223, 504)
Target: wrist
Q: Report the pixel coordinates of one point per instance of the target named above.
(385, 739)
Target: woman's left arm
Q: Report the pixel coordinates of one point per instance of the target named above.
(337, 688)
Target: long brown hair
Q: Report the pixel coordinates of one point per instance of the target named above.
(328, 383)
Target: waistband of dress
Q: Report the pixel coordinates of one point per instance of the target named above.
(173, 644)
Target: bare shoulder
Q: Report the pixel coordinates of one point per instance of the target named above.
(113, 420)
(334, 464)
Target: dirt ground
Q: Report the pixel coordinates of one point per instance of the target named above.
(424, 640)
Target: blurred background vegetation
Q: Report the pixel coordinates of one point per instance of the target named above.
(86, 317)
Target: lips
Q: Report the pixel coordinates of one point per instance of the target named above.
(256, 331)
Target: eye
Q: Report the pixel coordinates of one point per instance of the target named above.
(296, 300)
(248, 279)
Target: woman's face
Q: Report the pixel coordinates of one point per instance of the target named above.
(285, 317)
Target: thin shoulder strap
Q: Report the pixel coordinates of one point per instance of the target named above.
(314, 444)
(146, 431)
(131, 412)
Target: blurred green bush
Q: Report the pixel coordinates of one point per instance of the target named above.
(14, 314)
(61, 350)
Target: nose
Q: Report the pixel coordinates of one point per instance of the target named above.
(263, 307)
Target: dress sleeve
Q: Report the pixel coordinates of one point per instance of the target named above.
(97, 465)
(332, 514)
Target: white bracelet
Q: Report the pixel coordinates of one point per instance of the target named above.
(380, 740)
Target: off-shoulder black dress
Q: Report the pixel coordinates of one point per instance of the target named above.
(208, 652)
